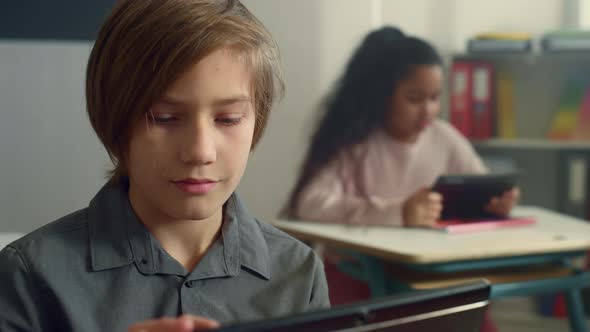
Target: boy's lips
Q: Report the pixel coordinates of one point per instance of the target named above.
(196, 181)
(195, 186)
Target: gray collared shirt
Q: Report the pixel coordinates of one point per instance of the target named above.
(99, 269)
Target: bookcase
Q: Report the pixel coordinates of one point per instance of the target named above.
(538, 81)
(554, 173)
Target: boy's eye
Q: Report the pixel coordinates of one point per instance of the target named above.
(159, 118)
(229, 121)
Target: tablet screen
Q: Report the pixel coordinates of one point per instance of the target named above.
(465, 196)
(452, 309)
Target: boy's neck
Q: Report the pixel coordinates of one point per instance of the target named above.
(188, 241)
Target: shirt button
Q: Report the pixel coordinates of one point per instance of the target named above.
(189, 284)
(144, 261)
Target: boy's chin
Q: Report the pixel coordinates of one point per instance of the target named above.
(199, 215)
(193, 213)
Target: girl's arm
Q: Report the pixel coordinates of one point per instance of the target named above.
(333, 196)
(463, 157)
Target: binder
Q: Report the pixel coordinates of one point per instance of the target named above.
(461, 96)
(574, 188)
(505, 117)
(482, 100)
(582, 129)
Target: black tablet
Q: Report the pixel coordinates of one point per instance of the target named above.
(452, 309)
(465, 196)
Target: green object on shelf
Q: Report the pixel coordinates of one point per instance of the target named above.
(564, 120)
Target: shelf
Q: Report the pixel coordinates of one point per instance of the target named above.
(532, 143)
(528, 57)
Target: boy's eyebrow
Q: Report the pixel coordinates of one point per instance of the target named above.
(169, 100)
(231, 100)
(217, 102)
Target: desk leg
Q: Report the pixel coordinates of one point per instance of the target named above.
(575, 310)
(375, 276)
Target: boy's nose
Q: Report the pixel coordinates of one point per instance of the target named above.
(199, 147)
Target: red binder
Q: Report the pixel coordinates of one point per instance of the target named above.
(482, 109)
(461, 97)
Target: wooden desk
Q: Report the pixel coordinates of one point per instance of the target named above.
(553, 233)
(554, 239)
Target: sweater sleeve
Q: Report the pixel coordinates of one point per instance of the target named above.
(334, 196)
(463, 157)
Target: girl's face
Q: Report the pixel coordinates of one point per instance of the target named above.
(415, 103)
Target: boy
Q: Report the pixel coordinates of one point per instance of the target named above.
(179, 93)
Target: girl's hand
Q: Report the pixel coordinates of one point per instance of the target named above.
(184, 323)
(423, 208)
(502, 205)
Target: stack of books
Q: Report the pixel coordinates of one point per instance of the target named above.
(517, 42)
(566, 40)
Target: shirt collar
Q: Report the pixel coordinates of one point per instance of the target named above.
(117, 238)
(244, 238)
(108, 215)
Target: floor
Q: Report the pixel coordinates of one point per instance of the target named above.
(519, 315)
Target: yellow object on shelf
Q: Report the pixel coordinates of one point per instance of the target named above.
(505, 122)
(504, 35)
(563, 125)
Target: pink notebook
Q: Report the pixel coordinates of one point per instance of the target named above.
(462, 226)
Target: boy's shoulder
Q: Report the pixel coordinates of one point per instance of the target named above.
(271, 231)
(284, 248)
(280, 239)
(54, 234)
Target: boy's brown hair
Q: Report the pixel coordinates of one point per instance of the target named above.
(145, 45)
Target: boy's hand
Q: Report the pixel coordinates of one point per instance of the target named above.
(423, 208)
(184, 323)
(502, 205)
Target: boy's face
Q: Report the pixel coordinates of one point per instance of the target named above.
(188, 155)
(415, 102)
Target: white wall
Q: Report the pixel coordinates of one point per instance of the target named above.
(314, 46)
(52, 164)
(532, 16)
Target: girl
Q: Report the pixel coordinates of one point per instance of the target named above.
(379, 147)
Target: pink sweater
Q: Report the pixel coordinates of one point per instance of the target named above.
(368, 183)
